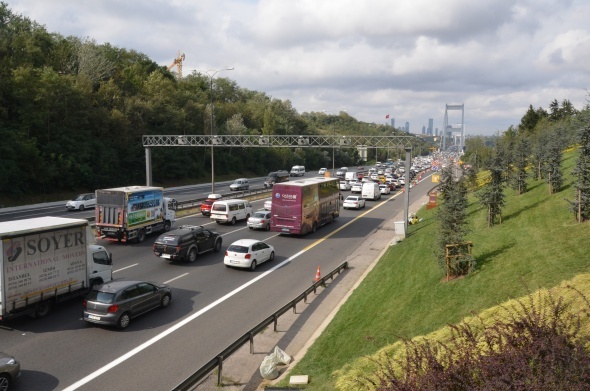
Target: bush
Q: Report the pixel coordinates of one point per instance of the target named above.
(536, 345)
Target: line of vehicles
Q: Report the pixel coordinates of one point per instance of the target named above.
(47, 260)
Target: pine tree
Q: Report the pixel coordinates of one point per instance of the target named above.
(452, 217)
(580, 206)
(552, 167)
(492, 194)
(522, 152)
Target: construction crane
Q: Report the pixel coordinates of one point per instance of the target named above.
(177, 62)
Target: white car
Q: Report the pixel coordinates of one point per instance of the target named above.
(267, 204)
(81, 202)
(322, 171)
(356, 188)
(345, 185)
(248, 253)
(384, 189)
(374, 177)
(353, 202)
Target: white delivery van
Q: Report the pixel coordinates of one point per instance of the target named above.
(349, 176)
(297, 171)
(230, 211)
(370, 191)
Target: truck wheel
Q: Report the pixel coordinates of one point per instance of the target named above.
(123, 321)
(141, 236)
(314, 227)
(167, 226)
(41, 309)
(192, 255)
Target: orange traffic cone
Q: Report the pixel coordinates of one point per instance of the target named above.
(317, 275)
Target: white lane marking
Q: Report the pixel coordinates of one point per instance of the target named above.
(126, 267)
(172, 329)
(176, 278)
(204, 310)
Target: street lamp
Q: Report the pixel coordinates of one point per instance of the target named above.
(211, 73)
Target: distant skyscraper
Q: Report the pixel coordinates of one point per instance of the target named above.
(407, 127)
(436, 132)
(393, 123)
(430, 124)
(423, 129)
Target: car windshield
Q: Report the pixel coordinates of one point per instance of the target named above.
(351, 199)
(101, 297)
(78, 198)
(259, 215)
(219, 207)
(237, 249)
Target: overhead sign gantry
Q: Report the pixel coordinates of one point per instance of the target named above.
(272, 141)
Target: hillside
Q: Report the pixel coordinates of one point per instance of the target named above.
(538, 245)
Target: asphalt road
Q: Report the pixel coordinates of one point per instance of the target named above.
(211, 307)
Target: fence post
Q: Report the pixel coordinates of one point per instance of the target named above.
(220, 359)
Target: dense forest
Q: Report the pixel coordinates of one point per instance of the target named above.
(72, 114)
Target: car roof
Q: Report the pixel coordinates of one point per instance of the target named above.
(114, 286)
(245, 242)
(183, 229)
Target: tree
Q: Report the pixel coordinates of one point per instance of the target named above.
(522, 152)
(492, 194)
(452, 218)
(552, 167)
(580, 206)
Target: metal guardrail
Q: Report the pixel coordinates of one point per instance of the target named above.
(180, 205)
(217, 361)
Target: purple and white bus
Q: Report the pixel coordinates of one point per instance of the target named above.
(303, 205)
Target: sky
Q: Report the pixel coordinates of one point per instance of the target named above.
(408, 59)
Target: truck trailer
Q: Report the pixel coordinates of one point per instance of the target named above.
(131, 213)
(46, 260)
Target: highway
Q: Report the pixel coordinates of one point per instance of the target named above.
(211, 306)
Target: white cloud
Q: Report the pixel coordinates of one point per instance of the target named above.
(406, 58)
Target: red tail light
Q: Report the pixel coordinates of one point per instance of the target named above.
(84, 304)
(226, 254)
(178, 248)
(248, 256)
(113, 308)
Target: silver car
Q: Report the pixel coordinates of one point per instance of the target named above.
(260, 220)
(9, 371)
(116, 302)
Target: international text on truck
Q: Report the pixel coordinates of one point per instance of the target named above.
(300, 206)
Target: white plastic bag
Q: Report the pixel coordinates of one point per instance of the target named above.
(268, 368)
(281, 356)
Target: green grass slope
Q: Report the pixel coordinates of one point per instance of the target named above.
(538, 245)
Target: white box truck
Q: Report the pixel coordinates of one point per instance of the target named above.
(130, 213)
(350, 175)
(46, 260)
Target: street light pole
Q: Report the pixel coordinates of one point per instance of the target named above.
(211, 74)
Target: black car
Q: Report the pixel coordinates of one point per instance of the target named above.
(186, 242)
